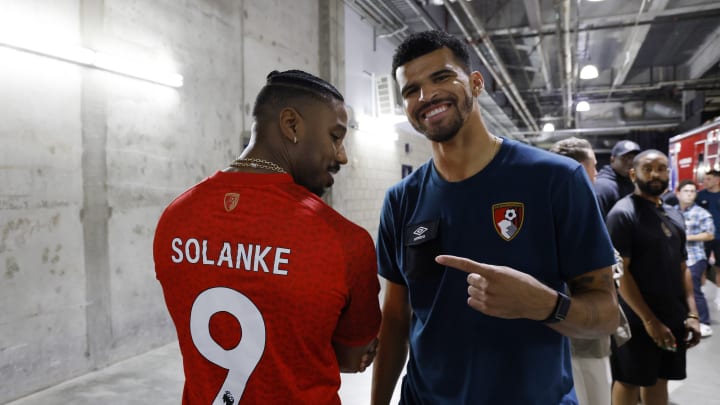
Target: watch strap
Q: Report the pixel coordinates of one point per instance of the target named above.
(562, 306)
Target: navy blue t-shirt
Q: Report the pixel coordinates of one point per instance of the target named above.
(528, 209)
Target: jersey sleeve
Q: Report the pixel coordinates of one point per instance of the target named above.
(359, 321)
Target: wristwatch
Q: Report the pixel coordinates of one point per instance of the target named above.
(562, 306)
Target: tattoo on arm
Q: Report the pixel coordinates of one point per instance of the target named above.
(588, 283)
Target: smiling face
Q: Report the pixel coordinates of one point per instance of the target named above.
(437, 94)
(320, 151)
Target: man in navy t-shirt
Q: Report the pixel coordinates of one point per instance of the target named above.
(523, 222)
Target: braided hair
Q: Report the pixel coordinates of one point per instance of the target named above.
(281, 88)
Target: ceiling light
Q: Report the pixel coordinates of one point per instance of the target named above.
(436, 2)
(582, 106)
(588, 72)
(595, 1)
(548, 127)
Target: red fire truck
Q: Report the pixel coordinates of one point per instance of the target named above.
(694, 152)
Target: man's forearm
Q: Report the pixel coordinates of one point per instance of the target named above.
(389, 363)
(592, 314)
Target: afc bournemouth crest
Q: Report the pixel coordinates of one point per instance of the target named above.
(231, 201)
(508, 219)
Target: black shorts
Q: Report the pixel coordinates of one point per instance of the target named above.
(712, 246)
(641, 362)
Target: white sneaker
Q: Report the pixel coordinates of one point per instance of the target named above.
(705, 330)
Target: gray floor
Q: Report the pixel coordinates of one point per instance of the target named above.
(156, 378)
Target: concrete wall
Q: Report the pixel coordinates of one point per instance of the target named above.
(375, 159)
(89, 159)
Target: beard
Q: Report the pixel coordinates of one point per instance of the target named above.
(446, 132)
(654, 188)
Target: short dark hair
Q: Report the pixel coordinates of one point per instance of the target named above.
(639, 156)
(684, 183)
(282, 87)
(575, 148)
(422, 43)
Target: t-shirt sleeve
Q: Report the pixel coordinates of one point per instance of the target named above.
(359, 321)
(620, 227)
(583, 236)
(387, 243)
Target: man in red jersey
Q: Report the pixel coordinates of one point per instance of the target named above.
(272, 292)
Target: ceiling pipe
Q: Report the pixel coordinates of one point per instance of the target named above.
(562, 10)
(422, 16)
(384, 5)
(532, 7)
(547, 136)
(363, 8)
(616, 21)
(501, 76)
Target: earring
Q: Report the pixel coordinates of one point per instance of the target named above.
(295, 139)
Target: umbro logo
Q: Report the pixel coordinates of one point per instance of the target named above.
(420, 230)
(419, 233)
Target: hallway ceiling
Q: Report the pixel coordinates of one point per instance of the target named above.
(658, 60)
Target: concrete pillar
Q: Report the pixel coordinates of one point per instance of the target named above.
(96, 211)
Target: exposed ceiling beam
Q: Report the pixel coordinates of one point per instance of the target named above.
(497, 68)
(421, 14)
(590, 23)
(532, 7)
(706, 56)
(635, 40)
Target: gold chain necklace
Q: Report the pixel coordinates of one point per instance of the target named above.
(254, 163)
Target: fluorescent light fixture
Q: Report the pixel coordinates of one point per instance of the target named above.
(127, 68)
(548, 127)
(595, 1)
(89, 58)
(582, 106)
(588, 72)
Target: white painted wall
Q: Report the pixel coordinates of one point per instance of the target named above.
(375, 160)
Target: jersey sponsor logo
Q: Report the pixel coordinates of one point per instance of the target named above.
(231, 201)
(508, 218)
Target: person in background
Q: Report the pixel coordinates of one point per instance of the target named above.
(612, 182)
(590, 357)
(709, 198)
(657, 289)
(699, 228)
(522, 221)
(272, 292)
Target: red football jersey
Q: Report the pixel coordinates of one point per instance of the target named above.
(260, 276)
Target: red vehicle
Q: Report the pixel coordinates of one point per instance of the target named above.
(694, 152)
